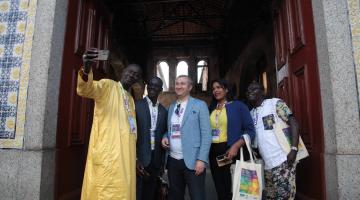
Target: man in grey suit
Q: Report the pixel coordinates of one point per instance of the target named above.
(151, 125)
(188, 140)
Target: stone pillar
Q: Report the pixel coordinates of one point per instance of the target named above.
(193, 71)
(29, 173)
(172, 62)
(340, 105)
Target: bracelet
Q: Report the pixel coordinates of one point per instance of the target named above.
(83, 71)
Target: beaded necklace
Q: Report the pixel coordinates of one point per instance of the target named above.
(257, 113)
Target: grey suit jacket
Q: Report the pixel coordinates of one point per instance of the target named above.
(195, 132)
(143, 145)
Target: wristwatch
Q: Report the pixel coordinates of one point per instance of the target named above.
(294, 148)
(83, 71)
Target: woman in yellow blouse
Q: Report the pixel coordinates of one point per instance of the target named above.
(230, 120)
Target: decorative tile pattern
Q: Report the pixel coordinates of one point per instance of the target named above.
(354, 16)
(17, 19)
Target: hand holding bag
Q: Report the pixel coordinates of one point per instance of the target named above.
(248, 177)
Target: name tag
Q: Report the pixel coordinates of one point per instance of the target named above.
(132, 125)
(175, 131)
(215, 134)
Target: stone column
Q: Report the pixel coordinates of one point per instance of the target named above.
(172, 62)
(29, 173)
(193, 71)
(339, 98)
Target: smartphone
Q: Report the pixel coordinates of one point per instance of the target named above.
(221, 157)
(222, 160)
(103, 54)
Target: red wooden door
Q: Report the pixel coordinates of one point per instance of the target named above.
(295, 48)
(87, 26)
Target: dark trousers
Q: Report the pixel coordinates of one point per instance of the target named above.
(146, 186)
(180, 177)
(221, 175)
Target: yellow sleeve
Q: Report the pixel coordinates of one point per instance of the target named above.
(90, 88)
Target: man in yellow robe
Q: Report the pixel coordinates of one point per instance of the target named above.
(110, 171)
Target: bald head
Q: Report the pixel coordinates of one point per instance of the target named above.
(134, 67)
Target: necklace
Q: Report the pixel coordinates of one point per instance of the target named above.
(219, 108)
(257, 113)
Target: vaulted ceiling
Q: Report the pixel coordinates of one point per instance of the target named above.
(169, 19)
(186, 20)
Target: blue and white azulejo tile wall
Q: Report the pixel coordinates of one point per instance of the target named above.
(16, 32)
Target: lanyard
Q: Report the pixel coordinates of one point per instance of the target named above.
(179, 111)
(153, 117)
(256, 112)
(153, 112)
(218, 113)
(126, 100)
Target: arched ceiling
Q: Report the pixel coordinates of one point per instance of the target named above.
(185, 20)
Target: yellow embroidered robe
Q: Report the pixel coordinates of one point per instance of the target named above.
(110, 165)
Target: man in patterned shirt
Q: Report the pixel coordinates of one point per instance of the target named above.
(280, 167)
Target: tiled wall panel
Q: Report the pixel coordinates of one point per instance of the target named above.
(16, 33)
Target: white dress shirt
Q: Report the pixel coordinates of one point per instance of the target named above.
(154, 109)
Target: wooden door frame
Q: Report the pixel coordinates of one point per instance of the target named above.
(87, 26)
(288, 16)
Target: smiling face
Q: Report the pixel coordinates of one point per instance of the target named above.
(219, 91)
(183, 86)
(154, 88)
(255, 94)
(131, 75)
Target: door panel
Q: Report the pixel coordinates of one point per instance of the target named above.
(279, 38)
(283, 89)
(295, 25)
(84, 29)
(301, 110)
(303, 89)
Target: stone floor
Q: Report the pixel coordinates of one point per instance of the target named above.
(209, 187)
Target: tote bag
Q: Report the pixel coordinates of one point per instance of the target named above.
(282, 132)
(248, 177)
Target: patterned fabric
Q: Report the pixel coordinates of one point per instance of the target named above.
(280, 183)
(283, 110)
(16, 34)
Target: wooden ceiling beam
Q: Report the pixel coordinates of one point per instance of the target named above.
(186, 18)
(143, 2)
